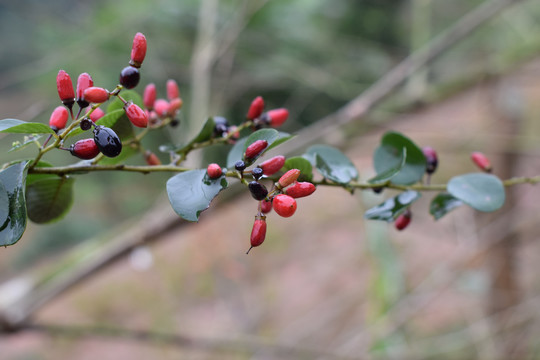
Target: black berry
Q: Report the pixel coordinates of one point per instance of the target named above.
(240, 165)
(174, 123)
(258, 190)
(221, 126)
(129, 77)
(86, 124)
(257, 173)
(107, 141)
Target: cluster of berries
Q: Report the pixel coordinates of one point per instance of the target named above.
(273, 118)
(159, 109)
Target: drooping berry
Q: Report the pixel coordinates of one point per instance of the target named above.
(300, 189)
(221, 126)
(403, 220)
(86, 124)
(149, 96)
(277, 117)
(107, 141)
(257, 173)
(240, 165)
(173, 92)
(481, 161)
(84, 149)
(288, 178)
(161, 107)
(258, 232)
(174, 123)
(256, 108)
(214, 171)
(151, 158)
(284, 205)
(174, 106)
(258, 190)
(255, 149)
(59, 118)
(65, 89)
(378, 189)
(97, 114)
(431, 159)
(136, 115)
(266, 206)
(273, 165)
(138, 50)
(129, 77)
(96, 94)
(83, 82)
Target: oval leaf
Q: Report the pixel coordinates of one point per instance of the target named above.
(272, 136)
(49, 199)
(302, 164)
(4, 205)
(442, 204)
(483, 192)
(191, 192)
(13, 178)
(332, 163)
(393, 207)
(15, 126)
(386, 176)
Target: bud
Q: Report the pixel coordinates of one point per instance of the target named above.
(83, 82)
(97, 114)
(161, 106)
(59, 118)
(273, 165)
(65, 89)
(288, 178)
(403, 220)
(138, 50)
(174, 106)
(96, 94)
(149, 96)
(431, 159)
(277, 117)
(300, 189)
(481, 161)
(255, 149)
(256, 108)
(151, 158)
(258, 232)
(136, 115)
(172, 90)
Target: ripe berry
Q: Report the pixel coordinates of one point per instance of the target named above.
(277, 117)
(481, 161)
(174, 123)
(149, 96)
(138, 50)
(431, 159)
(403, 220)
(240, 165)
(284, 205)
(172, 90)
(83, 82)
(300, 189)
(255, 149)
(221, 126)
(257, 173)
(107, 141)
(136, 115)
(65, 89)
(84, 149)
(96, 94)
(151, 158)
(129, 77)
(86, 124)
(273, 165)
(214, 171)
(174, 106)
(266, 206)
(258, 232)
(161, 106)
(256, 108)
(258, 190)
(97, 114)
(59, 118)
(288, 178)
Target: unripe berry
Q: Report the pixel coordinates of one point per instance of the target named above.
(97, 114)
(96, 94)
(257, 173)
(59, 118)
(149, 96)
(431, 159)
(129, 77)
(403, 220)
(284, 205)
(174, 106)
(255, 149)
(84, 149)
(136, 115)
(214, 171)
(288, 178)
(266, 206)
(233, 134)
(277, 117)
(65, 89)
(221, 126)
(258, 232)
(161, 106)
(138, 50)
(107, 141)
(256, 108)
(173, 92)
(151, 158)
(481, 161)
(273, 165)
(300, 189)
(258, 190)
(240, 165)
(83, 82)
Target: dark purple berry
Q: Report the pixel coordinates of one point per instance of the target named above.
(129, 77)
(257, 173)
(258, 190)
(86, 124)
(240, 165)
(107, 141)
(221, 126)
(174, 123)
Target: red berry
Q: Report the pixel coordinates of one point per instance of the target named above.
(138, 50)
(284, 205)
(59, 118)
(481, 161)
(258, 232)
(97, 114)
(65, 89)
(174, 106)
(161, 107)
(256, 108)
(151, 158)
(173, 92)
(266, 206)
(431, 159)
(136, 115)
(84, 149)
(96, 94)
(214, 171)
(129, 77)
(277, 117)
(403, 220)
(273, 165)
(300, 189)
(149, 96)
(255, 149)
(83, 82)
(288, 178)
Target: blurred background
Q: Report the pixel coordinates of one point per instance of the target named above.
(325, 284)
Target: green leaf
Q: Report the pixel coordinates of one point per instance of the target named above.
(302, 164)
(483, 192)
(389, 155)
(191, 192)
(236, 152)
(393, 207)
(332, 163)
(107, 120)
(282, 137)
(272, 136)
(27, 140)
(15, 126)
(128, 95)
(442, 204)
(49, 199)
(13, 179)
(4, 204)
(386, 176)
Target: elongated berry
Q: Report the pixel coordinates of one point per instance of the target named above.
(59, 118)
(84, 149)
(214, 171)
(107, 141)
(129, 77)
(136, 115)
(273, 165)
(258, 190)
(174, 106)
(257, 173)
(173, 92)
(300, 189)
(266, 206)
(284, 205)
(431, 159)
(403, 220)
(149, 96)
(256, 108)
(97, 114)
(138, 50)
(151, 158)
(255, 149)
(65, 89)
(96, 94)
(258, 232)
(161, 107)
(277, 117)
(481, 161)
(83, 82)
(288, 178)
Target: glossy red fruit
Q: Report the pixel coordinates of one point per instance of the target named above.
(277, 117)
(273, 165)
(151, 158)
(136, 115)
(161, 107)
(256, 108)
(84, 149)
(96, 94)
(300, 189)
(59, 118)
(431, 159)
(403, 220)
(481, 161)
(174, 106)
(97, 114)
(129, 77)
(138, 50)
(83, 82)
(173, 92)
(255, 149)
(284, 205)
(149, 96)
(288, 178)
(214, 171)
(266, 206)
(258, 232)
(65, 89)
